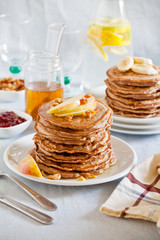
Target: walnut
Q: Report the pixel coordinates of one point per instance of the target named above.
(88, 95)
(69, 118)
(56, 176)
(43, 174)
(54, 104)
(58, 100)
(83, 101)
(89, 175)
(8, 84)
(81, 179)
(89, 113)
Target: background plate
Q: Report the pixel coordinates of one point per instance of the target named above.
(135, 125)
(125, 154)
(136, 120)
(135, 131)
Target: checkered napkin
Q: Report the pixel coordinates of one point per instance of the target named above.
(138, 194)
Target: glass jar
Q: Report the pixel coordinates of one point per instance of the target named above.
(43, 80)
(108, 41)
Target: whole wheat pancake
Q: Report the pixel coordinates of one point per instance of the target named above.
(121, 107)
(74, 141)
(76, 135)
(143, 93)
(86, 148)
(73, 147)
(133, 103)
(88, 166)
(72, 155)
(131, 78)
(76, 174)
(68, 175)
(98, 120)
(74, 158)
(132, 89)
(131, 114)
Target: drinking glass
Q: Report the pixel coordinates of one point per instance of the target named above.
(70, 49)
(14, 38)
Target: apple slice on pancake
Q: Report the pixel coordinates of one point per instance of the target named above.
(68, 104)
(85, 104)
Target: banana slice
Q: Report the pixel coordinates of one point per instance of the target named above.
(141, 60)
(125, 64)
(144, 69)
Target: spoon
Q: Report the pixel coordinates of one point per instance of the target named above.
(57, 49)
(45, 203)
(59, 39)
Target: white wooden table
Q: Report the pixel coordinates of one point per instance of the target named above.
(78, 215)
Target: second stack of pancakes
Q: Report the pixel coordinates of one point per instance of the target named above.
(132, 94)
(73, 147)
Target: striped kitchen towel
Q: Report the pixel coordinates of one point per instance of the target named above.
(138, 194)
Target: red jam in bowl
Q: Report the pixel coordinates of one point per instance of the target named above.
(10, 119)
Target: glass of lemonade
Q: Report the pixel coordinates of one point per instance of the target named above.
(43, 80)
(108, 40)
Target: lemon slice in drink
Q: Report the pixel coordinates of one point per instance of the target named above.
(117, 50)
(96, 47)
(111, 31)
(118, 25)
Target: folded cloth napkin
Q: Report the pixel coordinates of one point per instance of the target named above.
(138, 194)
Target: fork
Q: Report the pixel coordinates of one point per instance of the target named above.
(45, 203)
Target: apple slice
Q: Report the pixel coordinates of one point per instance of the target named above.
(71, 114)
(91, 104)
(68, 104)
(28, 166)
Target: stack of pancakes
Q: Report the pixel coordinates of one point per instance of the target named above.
(73, 147)
(132, 94)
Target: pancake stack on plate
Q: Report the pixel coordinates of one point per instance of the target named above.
(73, 146)
(133, 94)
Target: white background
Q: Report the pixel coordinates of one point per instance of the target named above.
(144, 16)
(78, 215)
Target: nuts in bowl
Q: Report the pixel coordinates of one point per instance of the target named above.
(11, 89)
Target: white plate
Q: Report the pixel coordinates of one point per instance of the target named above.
(11, 96)
(135, 131)
(9, 132)
(125, 154)
(136, 120)
(134, 125)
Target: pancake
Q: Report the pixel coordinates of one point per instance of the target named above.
(114, 85)
(133, 103)
(76, 147)
(70, 175)
(136, 115)
(87, 166)
(133, 79)
(142, 93)
(71, 154)
(98, 120)
(76, 158)
(86, 148)
(133, 94)
(120, 107)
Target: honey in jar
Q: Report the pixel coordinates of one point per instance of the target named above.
(37, 94)
(43, 80)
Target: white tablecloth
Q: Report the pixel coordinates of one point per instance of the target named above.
(78, 215)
